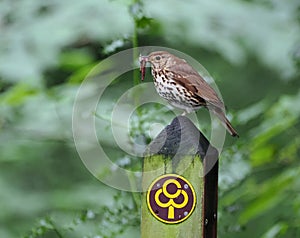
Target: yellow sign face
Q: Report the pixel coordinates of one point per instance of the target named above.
(171, 198)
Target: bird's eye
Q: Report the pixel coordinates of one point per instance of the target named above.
(157, 57)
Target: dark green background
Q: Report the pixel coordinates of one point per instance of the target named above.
(252, 50)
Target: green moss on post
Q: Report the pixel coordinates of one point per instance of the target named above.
(151, 227)
(181, 149)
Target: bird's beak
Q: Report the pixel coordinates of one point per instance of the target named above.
(143, 60)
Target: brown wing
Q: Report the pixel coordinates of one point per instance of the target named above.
(190, 79)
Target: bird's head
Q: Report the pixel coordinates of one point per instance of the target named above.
(157, 59)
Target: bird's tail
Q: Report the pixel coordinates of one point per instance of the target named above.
(221, 115)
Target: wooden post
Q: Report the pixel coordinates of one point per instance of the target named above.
(180, 177)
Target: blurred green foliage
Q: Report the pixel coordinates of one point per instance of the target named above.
(252, 49)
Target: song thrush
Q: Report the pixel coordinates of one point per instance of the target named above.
(182, 86)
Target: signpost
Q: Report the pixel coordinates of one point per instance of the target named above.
(180, 177)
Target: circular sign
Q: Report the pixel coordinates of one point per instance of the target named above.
(171, 198)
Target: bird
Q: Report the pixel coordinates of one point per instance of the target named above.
(182, 86)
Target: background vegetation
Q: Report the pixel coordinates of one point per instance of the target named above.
(251, 48)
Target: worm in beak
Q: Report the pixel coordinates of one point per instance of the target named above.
(143, 60)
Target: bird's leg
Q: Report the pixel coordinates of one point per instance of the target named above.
(184, 113)
(187, 111)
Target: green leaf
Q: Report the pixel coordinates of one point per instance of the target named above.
(278, 230)
(144, 22)
(74, 59)
(79, 75)
(17, 94)
(270, 194)
(263, 155)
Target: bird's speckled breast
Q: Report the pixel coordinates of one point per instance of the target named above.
(174, 93)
